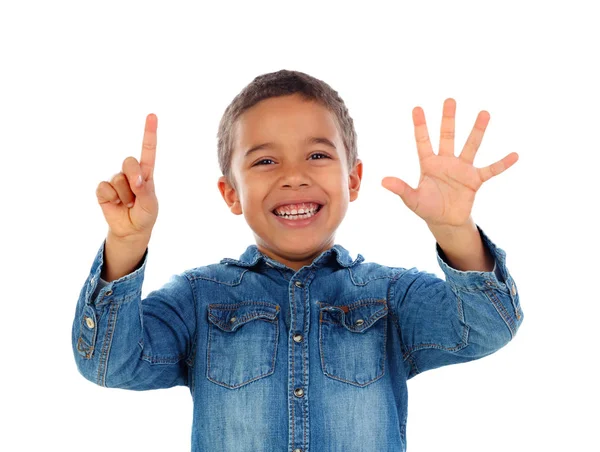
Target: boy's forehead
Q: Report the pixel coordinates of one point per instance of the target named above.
(284, 118)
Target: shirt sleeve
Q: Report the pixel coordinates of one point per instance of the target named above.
(120, 340)
(467, 316)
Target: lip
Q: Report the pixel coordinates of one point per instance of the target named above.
(299, 223)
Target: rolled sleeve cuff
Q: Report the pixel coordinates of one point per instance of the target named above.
(120, 290)
(498, 278)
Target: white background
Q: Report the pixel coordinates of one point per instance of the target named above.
(77, 80)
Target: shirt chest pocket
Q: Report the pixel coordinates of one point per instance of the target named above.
(352, 340)
(242, 342)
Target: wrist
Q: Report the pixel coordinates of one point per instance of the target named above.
(463, 247)
(122, 256)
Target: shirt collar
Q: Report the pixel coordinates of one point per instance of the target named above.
(336, 254)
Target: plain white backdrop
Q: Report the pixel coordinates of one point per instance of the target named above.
(77, 80)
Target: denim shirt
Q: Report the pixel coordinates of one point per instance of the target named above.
(314, 360)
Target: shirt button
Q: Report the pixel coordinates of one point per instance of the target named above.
(299, 284)
(359, 322)
(514, 289)
(297, 337)
(108, 293)
(297, 450)
(89, 322)
(298, 392)
(233, 319)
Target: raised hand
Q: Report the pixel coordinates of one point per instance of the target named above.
(129, 201)
(448, 184)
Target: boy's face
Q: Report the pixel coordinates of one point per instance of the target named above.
(290, 173)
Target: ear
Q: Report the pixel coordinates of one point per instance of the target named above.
(354, 179)
(230, 195)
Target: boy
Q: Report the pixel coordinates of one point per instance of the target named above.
(296, 346)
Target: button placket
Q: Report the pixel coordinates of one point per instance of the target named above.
(298, 358)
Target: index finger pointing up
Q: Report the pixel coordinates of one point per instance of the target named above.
(149, 146)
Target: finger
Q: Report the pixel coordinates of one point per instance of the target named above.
(402, 189)
(149, 146)
(132, 169)
(475, 138)
(499, 167)
(144, 198)
(106, 193)
(421, 134)
(122, 186)
(447, 129)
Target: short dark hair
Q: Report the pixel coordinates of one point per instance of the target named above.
(282, 83)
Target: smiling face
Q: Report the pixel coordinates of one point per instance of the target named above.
(291, 178)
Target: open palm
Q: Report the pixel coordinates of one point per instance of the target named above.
(448, 184)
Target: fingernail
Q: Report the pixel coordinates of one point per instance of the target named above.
(130, 205)
(116, 201)
(138, 182)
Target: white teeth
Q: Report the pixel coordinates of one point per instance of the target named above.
(304, 210)
(300, 216)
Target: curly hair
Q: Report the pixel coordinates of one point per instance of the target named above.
(282, 83)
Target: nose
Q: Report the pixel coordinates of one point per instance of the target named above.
(294, 176)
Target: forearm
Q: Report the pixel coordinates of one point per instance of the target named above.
(120, 340)
(463, 247)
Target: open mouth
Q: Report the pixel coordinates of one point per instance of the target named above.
(298, 212)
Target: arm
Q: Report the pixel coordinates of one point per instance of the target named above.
(120, 340)
(466, 317)
(474, 312)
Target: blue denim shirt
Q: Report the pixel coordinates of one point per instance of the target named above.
(281, 360)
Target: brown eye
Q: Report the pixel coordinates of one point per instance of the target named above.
(260, 162)
(320, 154)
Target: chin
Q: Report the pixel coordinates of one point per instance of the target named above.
(302, 249)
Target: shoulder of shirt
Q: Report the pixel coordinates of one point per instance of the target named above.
(364, 272)
(219, 273)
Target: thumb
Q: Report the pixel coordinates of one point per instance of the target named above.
(402, 189)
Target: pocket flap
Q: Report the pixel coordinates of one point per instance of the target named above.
(229, 317)
(356, 317)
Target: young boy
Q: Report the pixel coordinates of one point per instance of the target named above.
(296, 346)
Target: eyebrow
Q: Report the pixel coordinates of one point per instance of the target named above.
(308, 141)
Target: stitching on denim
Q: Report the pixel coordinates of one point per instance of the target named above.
(356, 283)
(86, 349)
(364, 302)
(233, 306)
(292, 405)
(191, 358)
(108, 336)
(220, 383)
(241, 320)
(465, 330)
(406, 356)
(508, 320)
(454, 348)
(321, 347)
(356, 304)
(193, 277)
(304, 404)
(163, 359)
(90, 347)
